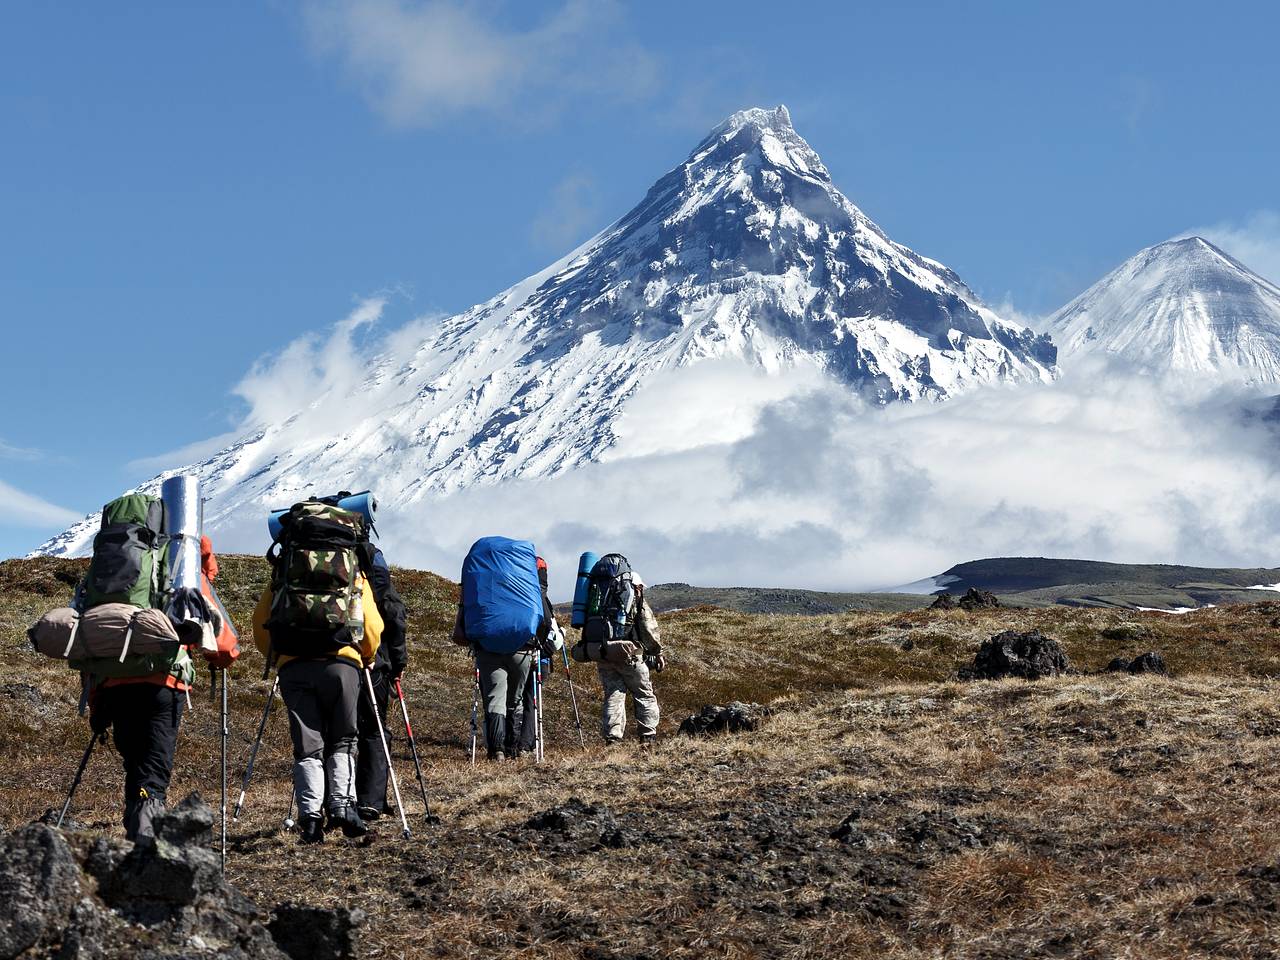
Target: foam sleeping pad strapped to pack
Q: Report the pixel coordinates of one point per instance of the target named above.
(585, 563)
(501, 595)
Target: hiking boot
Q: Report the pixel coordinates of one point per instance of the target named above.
(346, 818)
(311, 830)
(369, 814)
(648, 740)
(498, 757)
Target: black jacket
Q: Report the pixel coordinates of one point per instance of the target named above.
(393, 652)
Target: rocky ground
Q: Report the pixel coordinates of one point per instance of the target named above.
(880, 806)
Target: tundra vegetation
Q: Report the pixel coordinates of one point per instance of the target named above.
(883, 808)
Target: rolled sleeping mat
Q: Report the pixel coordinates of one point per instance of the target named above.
(364, 503)
(585, 563)
(181, 496)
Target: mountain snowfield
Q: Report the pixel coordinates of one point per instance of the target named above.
(1182, 306)
(746, 252)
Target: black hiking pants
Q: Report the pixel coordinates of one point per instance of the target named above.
(371, 762)
(144, 720)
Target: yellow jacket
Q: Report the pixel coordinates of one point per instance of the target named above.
(368, 646)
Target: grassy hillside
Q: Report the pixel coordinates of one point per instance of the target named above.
(885, 809)
(665, 597)
(1035, 581)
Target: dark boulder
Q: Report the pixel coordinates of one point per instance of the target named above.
(313, 933)
(39, 886)
(1150, 662)
(976, 599)
(1118, 665)
(973, 599)
(734, 717)
(1029, 656)
(153, 883)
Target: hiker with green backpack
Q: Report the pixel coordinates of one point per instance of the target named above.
(318, 621)
(134, 654)
(620, 635)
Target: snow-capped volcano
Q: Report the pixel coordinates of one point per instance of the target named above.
(744, 251)
(1182, 305)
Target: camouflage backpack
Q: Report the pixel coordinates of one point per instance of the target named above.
(316, 605)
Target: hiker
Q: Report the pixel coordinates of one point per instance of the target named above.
(318, 620)
(388, 666)
(620, 634)
(500, 618)
(550, 642)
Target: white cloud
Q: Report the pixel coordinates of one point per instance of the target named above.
(1254, 242)
(420, 62)
(19, 509)
(824, 492)
(314, 369)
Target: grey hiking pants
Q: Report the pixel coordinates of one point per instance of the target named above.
(322, 697)
(619, 680)
(503, 677)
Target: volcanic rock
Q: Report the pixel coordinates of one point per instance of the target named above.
(1149, 662)
(313, 933)
(734, 717)
(39, 886)
(1011, 654)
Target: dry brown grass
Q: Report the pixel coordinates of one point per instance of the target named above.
(1091, 815)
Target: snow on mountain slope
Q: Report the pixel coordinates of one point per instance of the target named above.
(746, 251)
(1182, 305)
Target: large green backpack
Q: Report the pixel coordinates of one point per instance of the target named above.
(317, 598)
(130, 563)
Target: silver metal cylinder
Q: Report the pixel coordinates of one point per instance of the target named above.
(181, 496)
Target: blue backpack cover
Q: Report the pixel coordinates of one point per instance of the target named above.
(501, 595)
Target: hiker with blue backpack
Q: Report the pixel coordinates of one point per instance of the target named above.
(620, 635)
(503, 620)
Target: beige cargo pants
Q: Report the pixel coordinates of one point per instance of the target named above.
(619, 680)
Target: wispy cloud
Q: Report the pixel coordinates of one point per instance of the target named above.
(420, 62)
(571, 212)
(21, 509)
(9, 452)
(1255, 241)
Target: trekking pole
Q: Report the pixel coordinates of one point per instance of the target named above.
(288, 814)
(253, 753)
(84, 762)
(386, 750)
(413, 748)
(577, 717)
(537, 708)
(226, 732)
(475, 703)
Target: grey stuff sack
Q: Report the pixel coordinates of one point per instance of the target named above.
(113, 630)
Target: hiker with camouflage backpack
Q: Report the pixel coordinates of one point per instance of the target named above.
(621, 636)
(318, 621)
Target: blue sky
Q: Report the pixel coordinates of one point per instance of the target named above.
(184, 190)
